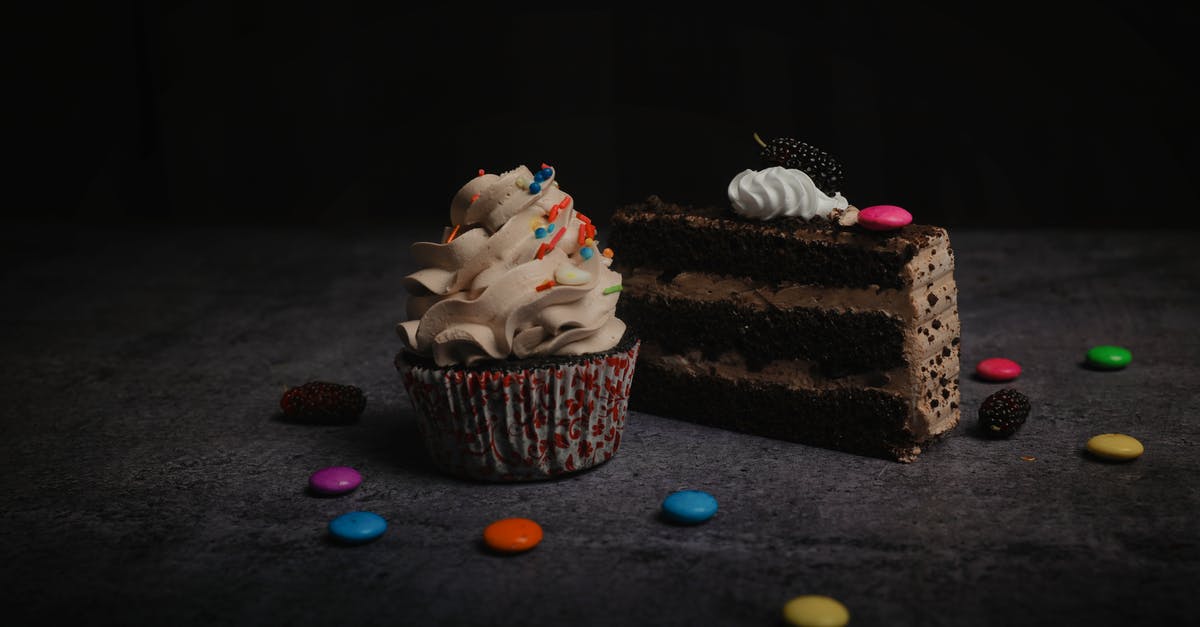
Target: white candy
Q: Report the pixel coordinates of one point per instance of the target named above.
(567, 274)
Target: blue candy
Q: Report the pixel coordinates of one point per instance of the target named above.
(586, 252)
(535, 187)
(550, 229)
(689, 507)
(357, 527)
(541, 232)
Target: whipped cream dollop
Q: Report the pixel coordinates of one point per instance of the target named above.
(779, 191)
(516, 277)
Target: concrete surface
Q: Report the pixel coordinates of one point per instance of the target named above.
(145, 478)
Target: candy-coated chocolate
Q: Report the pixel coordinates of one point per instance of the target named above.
(689, 507)
(1109, 357)
(334, 480)
(998, 369)
(815, 610)
(512, 535)
(540, 232)
(357, 527)
(535, 187)
(1115, 446)
(883, 217)
(587, 252)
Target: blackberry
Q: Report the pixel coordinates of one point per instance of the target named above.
(1002, 413)
(321, 401)
(826, 171)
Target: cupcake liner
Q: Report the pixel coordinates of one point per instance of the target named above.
(523, 424)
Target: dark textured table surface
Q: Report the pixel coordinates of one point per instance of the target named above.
(146, 479)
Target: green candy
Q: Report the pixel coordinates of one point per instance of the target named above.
(1109, 357)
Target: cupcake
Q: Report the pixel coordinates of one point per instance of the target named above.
(513, 356)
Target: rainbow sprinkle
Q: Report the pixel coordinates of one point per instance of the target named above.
(547, 285)
(454, 233)
(613, 289)
(553, 215)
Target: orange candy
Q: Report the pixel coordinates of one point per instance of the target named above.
(512, 535)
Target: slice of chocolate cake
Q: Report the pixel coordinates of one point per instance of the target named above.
(809, 328)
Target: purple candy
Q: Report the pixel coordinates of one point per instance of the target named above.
(883, 217)
(334, 480)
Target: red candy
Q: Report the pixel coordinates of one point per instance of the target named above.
(883, 218)
(998, 369)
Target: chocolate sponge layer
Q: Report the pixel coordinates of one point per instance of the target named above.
(677, 239)
(856, 420)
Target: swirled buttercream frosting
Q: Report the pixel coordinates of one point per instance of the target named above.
(517, 276)
(779, 191)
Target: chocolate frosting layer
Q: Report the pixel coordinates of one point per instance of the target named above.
(838, 342)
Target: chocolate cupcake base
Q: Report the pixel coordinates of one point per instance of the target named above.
(522, 420)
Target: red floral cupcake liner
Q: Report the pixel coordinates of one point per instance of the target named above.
(523, 424)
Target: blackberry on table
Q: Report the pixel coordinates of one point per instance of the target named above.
(322, 401)
(1002, 413)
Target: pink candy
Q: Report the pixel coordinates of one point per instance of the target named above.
(998, 369)
(883, 218)
(334, 480)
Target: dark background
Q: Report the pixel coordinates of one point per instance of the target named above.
(146, 479)
(323, 113)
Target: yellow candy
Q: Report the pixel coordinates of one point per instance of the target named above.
(814, 610)
(1115, 446)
